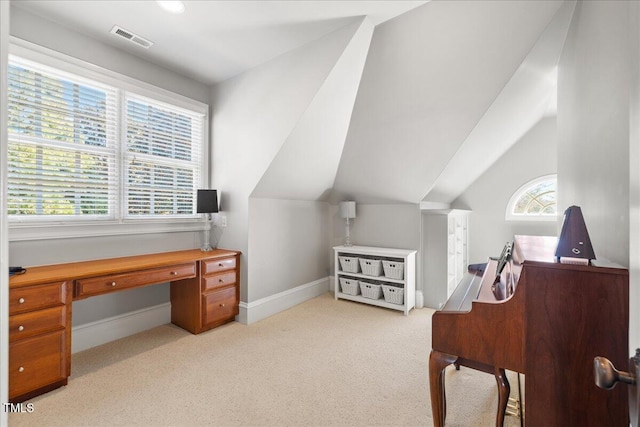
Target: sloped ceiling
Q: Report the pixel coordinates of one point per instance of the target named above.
(265, 119)
(446, 88)
(430, 77)
(213, 40)
(528, 96)
(306, 165)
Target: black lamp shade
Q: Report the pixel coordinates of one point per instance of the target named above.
(207, 201)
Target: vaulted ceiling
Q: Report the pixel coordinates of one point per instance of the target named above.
(447, 89)
(420, 99)
(213, 40)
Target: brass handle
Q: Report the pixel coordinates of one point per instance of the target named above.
(113, 283)
(21, 369)
(21, 300)
(220, 281)
(21, 328)
(222, 305)
(220, 264)
(607, 375)
(174, 273)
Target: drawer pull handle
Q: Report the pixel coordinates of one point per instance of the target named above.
(220, 264)
(21, 328)
(174, 273)
(222, 305)
(113, 283)
(220, 281)
(21, 300)
(21, 369)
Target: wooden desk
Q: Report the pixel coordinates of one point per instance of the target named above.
(204, 294)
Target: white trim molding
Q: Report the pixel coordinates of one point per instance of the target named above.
(4, 224)
(102, 331)
(68, 231)
(510, 216)
(121, 88)
(110, 329)
(429, 206)
(268, 306)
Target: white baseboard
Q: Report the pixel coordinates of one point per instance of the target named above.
(112, 328)
(265, 307)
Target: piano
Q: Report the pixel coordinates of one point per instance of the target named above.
(545, 320)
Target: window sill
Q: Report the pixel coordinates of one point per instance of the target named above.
(21, 232)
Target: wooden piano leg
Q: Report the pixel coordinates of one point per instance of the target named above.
(503, 395)
(437, 363)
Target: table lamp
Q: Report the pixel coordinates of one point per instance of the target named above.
(207, 204)
(347, 211)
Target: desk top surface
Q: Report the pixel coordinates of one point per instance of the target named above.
(99, 267)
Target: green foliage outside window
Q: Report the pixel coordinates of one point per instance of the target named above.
(66, 156)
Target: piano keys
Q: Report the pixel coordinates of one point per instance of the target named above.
(557, 318)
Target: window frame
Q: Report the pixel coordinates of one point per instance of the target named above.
(510, 216)
(55, 229)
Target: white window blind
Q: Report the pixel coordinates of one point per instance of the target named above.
(162, 158)
(92, 150)
(62, 144)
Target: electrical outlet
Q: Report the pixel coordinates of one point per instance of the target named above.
(220, 220)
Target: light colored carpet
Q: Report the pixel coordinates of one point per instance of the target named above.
(321, 363)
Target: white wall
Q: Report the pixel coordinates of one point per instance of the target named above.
(534, 155)
(593, 124)
(253, 116)
(634, 181)
(597, 94)
(4, 240)
(384, 225)
(288, 244)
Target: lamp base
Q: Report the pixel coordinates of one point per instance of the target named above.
(206, 246)
(347, 240)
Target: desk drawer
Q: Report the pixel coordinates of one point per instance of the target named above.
(219, 280)
(37, 297)
(37, 322)
(219, 306)
(36, 362)
(115, 282)
(215, 265)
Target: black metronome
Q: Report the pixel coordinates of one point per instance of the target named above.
(574, 244)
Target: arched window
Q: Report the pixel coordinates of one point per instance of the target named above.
(536, 200)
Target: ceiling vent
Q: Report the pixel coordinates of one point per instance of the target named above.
(133, 38)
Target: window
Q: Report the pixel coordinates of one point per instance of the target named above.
(162, 159)
(62, 146)
(100, 149)
(536, 200)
